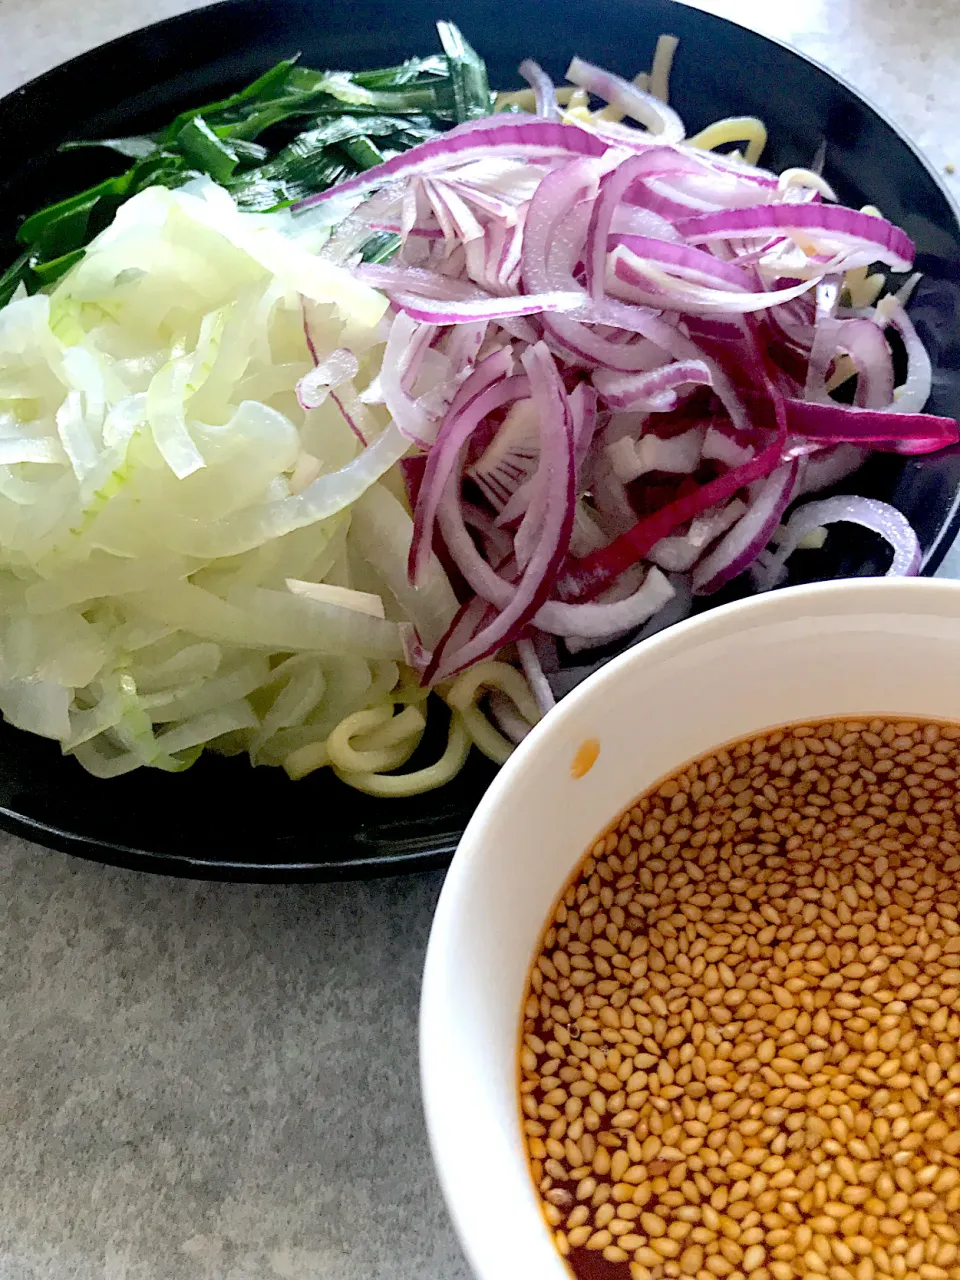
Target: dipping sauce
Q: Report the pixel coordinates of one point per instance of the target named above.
(585, 758)
(740, 1050)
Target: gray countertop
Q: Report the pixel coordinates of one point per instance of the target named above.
(201, 1080)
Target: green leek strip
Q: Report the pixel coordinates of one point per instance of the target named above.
(402, 105)
(468, 75)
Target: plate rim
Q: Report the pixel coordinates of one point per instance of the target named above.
(438, 853)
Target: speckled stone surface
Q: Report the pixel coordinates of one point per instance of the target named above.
(212, 1082)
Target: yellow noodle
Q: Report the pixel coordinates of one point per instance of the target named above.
(385, 676)
(661, 67)
(467, 688)
(346, 758)
(486, 737)
(863, 289)
(411, 722)
(494, 675)
(409, 689)
(428, 779)
(306, 760)
(746, 129)
(806, 178)
(843, 370)
(526, 99)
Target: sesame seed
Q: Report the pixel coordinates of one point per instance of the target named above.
(739, 1042)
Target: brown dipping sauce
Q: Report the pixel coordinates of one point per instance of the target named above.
(740, 1047)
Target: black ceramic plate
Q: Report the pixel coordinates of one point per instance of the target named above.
(222, 819)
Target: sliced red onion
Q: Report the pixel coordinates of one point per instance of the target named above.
(734, 167)
(536, 490)
(516, 506)
(826, 328)
(881, 429)
(646, 283)
(629, 220)
(741, 546)
(653, 198)
(474, 615)
(669, 339)
(643, 107)
(415, 280)
(711, 187)
(864, 343)
(615, 514)
(557, 195)
(406, 346)
(503, 221)
(690, 191)
(680, 552)
(676, 610)
(598, 621)
(508, 719)
(556, 458)
(497, 544)
(679, 455)
(583, 407)
(411, 469)
(458, 426)
(494, 363)
(533, 670)
(462, 346)
(431, 311)
(691, 264)
(613, 188)
(593, 573)
(454, 216)
(587, 535)
(829, 466)
(842, 226)
(513, 492)
(721, 446)
(638, 391)
(879, 517)
(915, 392)
(561, 253)
(521, 137)
(543, 89)
(511, 456)
(502, 206)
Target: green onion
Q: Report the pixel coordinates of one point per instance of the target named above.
(354, 120)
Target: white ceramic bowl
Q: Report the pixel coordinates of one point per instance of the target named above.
(869, 646)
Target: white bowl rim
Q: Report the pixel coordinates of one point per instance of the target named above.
(930, 596)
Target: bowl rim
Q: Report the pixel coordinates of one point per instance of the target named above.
(914, 596)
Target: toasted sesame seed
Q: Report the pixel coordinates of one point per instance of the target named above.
(739, 1051)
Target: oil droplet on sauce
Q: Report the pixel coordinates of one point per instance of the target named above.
(585, 758)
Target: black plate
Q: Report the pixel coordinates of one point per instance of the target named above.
(222, 819)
